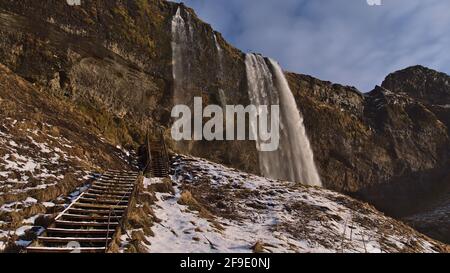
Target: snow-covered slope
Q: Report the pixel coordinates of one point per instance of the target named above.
(41, 172)
(217, 209)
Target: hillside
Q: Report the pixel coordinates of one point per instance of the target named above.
(87, 79)
(212, 208)
(48, 150)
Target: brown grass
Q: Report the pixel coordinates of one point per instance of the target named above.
(258, 247)
(164, 187)
(187, 199)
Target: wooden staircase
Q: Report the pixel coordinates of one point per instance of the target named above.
(157, 157)
(89, 223)
(159, 166)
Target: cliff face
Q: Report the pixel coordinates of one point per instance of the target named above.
(112, 60)
(388, 147)
(385, 147)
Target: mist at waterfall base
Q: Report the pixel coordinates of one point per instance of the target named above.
(267, 85)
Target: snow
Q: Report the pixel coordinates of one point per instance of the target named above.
(32, 160)
(30, 200)
(49, 204)
(13, 144)
(20, 163)
(31, 219)
(21, 231)
(23, 243)
(281, 216)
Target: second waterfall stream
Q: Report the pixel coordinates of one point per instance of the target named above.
(294, 159)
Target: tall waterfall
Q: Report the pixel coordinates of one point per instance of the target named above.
(294, 159)
(220, 76)
(180, 64)
(219, 49)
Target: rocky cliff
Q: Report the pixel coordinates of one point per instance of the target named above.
(389, 147)
(112, 60)
(365, 142)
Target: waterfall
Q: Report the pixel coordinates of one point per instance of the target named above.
(220, 76)
(180, 64)
(219, 49)
(294, 159)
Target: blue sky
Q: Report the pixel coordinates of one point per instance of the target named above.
(344, 41)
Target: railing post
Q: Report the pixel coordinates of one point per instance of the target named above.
(166, 154)
(147, 169)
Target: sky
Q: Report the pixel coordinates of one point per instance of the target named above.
(343, 41)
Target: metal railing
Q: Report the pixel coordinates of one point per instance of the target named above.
(163, 144)
(148, 165)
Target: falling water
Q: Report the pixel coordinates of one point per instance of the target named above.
(222, 96)
(180, 64)
(294, 159)
(219, 49)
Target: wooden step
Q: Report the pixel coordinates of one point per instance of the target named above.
(97, 206)
(127, 176)
(93, 195)
(86, 220)
(124, 177)
(122, 172)
(114, 182)
(115, 177)
(98, 187)
(123, 201)
(89, 217)
(102, 198)
(118, 180)
(78, 231)
(113, 185)
(86, 224)
(112, 189)
(118, 194)
(72, 239)
(95, 211)
(66, 250)
(110, 192)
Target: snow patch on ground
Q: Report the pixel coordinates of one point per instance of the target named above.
(279, 216)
